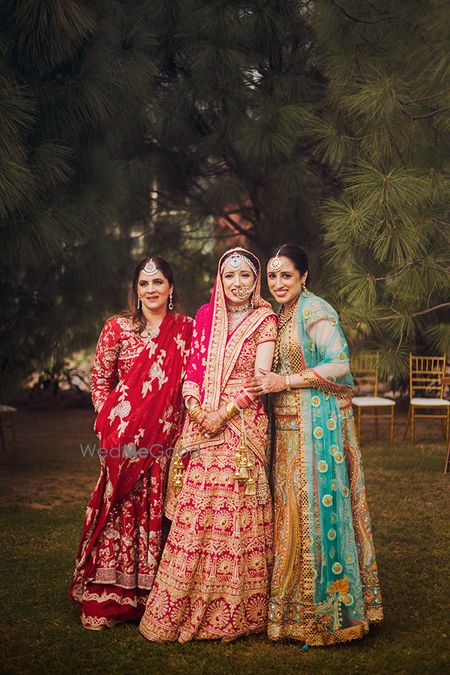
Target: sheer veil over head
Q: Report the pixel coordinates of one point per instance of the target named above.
(205, 374)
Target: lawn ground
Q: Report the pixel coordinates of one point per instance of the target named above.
(42, 500)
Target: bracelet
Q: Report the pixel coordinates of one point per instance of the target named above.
(194, 411)
(231, 409)
(243, 399)
(288, 383)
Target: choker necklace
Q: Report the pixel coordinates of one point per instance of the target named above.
(149, 332)
(238, 309)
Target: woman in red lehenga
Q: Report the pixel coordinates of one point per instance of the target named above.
(136, 390)
(213, 579)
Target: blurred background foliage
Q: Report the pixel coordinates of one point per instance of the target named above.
(181, 127)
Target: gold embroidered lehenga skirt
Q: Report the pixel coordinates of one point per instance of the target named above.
(213, 579)
(299, 607)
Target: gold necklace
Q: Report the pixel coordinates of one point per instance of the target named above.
(236, 315)
(149, 333)
(238, 309)
(283, 321)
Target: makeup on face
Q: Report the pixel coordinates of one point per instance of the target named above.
(153, 291)
(238, 284)
(284, 280)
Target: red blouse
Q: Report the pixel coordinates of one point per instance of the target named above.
(117, 348)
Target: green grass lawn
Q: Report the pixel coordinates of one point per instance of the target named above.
(42, 501)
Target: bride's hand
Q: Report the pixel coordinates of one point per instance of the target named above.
(212, 423)
(266, 383)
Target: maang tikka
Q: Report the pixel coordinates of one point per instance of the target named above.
(275, 263)
(150, 267)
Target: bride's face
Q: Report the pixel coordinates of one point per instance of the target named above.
(238, 283)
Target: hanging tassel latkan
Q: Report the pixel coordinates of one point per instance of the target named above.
(244, 466)
(177, 473)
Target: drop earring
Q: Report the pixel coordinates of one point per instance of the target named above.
(139, 303)
(170, 300)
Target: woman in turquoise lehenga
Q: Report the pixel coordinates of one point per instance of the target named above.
(325, 583)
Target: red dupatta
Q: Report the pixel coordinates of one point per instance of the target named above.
(142, 413)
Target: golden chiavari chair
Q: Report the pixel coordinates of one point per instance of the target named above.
(365, 368)
(426, 392)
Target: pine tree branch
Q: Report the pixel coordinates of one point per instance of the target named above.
(395, 274)
(427, 98)
(446, 228)
(354, 18)
(431, 309)
(389, 317)
(433, 113)
(239, 230)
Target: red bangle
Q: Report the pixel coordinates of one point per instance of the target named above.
(243, 399)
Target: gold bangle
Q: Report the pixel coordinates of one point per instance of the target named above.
(194, 411)
(231, 409)
(288, 383)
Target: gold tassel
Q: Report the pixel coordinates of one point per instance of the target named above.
(177, 473)
(250, 489)
(243, 473)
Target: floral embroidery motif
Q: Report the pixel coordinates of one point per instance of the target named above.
(166, 419)
(318, 432)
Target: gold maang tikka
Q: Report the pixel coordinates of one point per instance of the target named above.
(275, 263)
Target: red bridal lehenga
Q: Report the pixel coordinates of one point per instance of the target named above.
(121, 541)
(213, 578)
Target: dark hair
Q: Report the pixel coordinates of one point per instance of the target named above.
(246, 254)
(295, 254)
(164, 267)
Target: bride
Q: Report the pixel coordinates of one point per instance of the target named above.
(213, 579)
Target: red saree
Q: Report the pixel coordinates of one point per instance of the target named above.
(137, 424)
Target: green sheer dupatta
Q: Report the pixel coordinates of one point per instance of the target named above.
(340, 593)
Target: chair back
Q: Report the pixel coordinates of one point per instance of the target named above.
(365, 367)
(425, 376)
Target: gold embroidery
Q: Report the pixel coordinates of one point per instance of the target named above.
(327, 387)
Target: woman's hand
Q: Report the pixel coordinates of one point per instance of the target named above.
(199, 420)
(266, 383)
(212, 423)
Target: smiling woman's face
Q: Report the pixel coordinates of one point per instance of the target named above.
(236, 282)
(153, 290)
(285, 284)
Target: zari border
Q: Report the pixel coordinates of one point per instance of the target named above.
(307, 574)
(191, 389)
(291, 630)
(316, 381)
(120, 600)
(298, 632)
